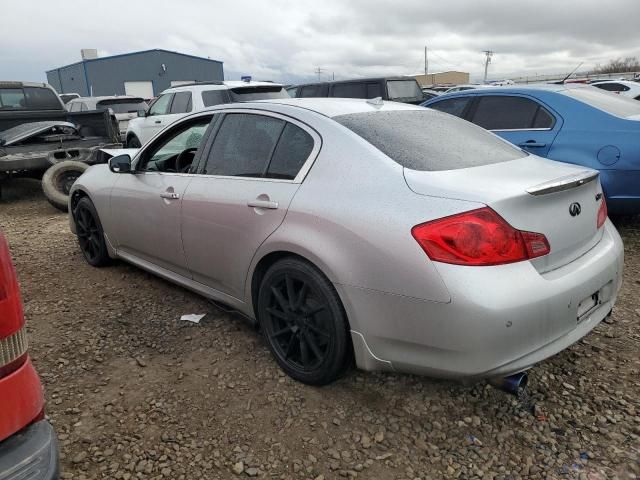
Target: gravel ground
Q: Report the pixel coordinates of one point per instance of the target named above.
(135, 393)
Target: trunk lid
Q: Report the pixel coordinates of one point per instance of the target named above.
(532, 194)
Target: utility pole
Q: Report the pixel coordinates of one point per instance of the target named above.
(487, 61)
(426, 63)
(318, 72)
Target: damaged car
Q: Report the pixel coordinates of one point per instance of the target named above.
(40, 139)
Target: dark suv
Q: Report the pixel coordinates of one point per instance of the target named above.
(397, 89)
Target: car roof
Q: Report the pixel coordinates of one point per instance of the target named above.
(328, 107)
(623, 82)
(12, 84)
(199, 86)
(532, 88)
(355, 80)
(105, 97)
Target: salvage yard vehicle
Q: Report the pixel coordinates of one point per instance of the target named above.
(123, 108)
(67, 97)
(176, 102)
(571, 123)
(397, 89)
(402, 237)
(40, 139)
(28, 446)
(625, 88)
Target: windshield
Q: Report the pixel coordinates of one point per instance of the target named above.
(247, 94)
(401, 89)
(120, 106)
(427, 140)
(607, 102)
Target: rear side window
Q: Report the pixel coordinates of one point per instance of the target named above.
(214, 97)
(41, 99)
(349, 90)
(11, 98)
(294, 147)
(181, 102)
(452, 106)
(497, 112)
(243, 145)
(374, 90)
(429, 141)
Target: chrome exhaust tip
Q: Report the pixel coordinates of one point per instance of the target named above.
(512, 384)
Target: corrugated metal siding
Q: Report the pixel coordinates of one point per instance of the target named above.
(106, 76)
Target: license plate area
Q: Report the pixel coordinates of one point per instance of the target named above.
(593, 301)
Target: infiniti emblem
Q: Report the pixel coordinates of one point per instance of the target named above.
(575, 209)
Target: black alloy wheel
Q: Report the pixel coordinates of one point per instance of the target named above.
(90, 234)
(304, 322)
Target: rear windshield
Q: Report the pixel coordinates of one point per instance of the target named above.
(429, 140)
(29, 98)
(611, 103)
(123, 106)
(247, 94)
(404, 89)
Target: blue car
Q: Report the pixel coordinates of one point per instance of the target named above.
(576, 124)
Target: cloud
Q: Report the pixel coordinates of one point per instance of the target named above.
(287, 40)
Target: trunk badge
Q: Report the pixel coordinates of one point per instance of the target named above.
(575, 209)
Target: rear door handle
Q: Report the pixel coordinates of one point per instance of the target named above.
(532, 143)
(263, 204)
(158, 121)
(170, 195)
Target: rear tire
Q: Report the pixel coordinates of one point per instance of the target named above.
(90, 233)
(133, 142)
(57, 182)
(304, 322)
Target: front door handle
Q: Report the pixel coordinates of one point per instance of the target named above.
(263, 204)
(532, 143)
(170, 195)
(158, 121)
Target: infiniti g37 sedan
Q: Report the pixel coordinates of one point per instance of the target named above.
(400, 237)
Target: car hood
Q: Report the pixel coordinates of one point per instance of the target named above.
(24, 131)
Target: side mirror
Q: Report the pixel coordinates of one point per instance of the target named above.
(120, 163)
(142, 113)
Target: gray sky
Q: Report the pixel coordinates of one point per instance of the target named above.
(286, 40)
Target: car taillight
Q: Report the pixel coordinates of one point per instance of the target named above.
(602, 212)
(476, 238)
(11, 314)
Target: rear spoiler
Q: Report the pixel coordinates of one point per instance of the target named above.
(564, 183)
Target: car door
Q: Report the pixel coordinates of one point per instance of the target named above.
(147, 203)
(522, 121)
(240, 196)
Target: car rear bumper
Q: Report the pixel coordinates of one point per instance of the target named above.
(30, 454)
(500, 320)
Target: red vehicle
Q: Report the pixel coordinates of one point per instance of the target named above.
(28, 446)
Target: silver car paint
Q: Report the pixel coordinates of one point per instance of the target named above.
(405, 311)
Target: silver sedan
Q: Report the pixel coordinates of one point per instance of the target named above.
(396, 236)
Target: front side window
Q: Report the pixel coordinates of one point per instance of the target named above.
(349, 90)
(452, 106)
(310, 91)
(374, 90)
(214, 97)
(497, 112)
(181, 102)
(175, 152)
(161, 105)
(612, 87)
(243, 145)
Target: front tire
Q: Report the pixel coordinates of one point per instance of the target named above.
(90, 233)
(57, 182)
(304, 322)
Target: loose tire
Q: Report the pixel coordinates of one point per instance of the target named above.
(304, 323)
(57, 181)
(133, 142)
(90, 233)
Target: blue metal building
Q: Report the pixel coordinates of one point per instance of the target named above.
(145, 73)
